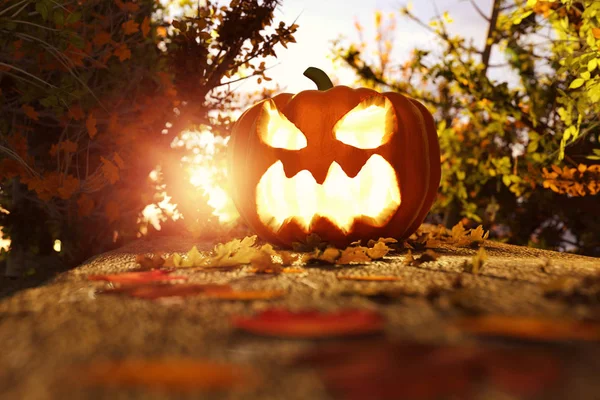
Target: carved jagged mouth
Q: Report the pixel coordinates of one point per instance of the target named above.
(373, 194)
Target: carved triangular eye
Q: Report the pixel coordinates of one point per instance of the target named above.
(279, 132)
(368, 125)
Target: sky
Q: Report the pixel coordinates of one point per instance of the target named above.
(322, 21)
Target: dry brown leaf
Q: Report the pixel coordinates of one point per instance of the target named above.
(428, 256)
(408, 259)
(378, 251)
(145, 262)
(311, 243)
(353, 255)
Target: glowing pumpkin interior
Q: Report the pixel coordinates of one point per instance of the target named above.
(373, 195)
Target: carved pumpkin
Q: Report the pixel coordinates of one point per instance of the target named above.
(346, 164)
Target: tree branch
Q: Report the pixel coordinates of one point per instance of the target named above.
(489, 41)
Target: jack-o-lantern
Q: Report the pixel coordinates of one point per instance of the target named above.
(345, 164)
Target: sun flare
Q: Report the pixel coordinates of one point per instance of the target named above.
(373, 193)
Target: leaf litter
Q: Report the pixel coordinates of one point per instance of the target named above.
(311, 324)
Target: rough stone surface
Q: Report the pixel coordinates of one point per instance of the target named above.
(48, 331)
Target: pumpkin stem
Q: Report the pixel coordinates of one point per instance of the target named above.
(319, 77)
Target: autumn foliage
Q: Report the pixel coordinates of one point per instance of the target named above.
(517, 115)
(88, 91)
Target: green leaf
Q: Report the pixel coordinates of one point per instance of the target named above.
(58, 17)
(73, 17)
(77, 41)
(576, 83)
(42, 8)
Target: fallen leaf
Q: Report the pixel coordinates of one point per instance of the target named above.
(311, 243)
(157, 291)
(169, 374)
(476, 262)
(387, 370)
(146, 262)
(244, 294)
(311, 324)
(408, 259)
(376, 278)
(542, 329)
(353, 255)
(138, 277)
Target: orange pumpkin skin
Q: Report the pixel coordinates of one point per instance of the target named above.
(412, 151)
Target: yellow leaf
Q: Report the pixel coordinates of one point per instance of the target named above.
(30, 112)
(145, 26)
(130, 27)
(90, 124)
(577, 83)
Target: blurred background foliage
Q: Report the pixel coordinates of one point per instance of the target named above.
(521, 158)
(115, 115)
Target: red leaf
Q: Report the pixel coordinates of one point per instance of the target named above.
(382, 371)
(30, 112)
(157, 291)
(311, 324)
(172, 374)
(543, 329)
(138, 277)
